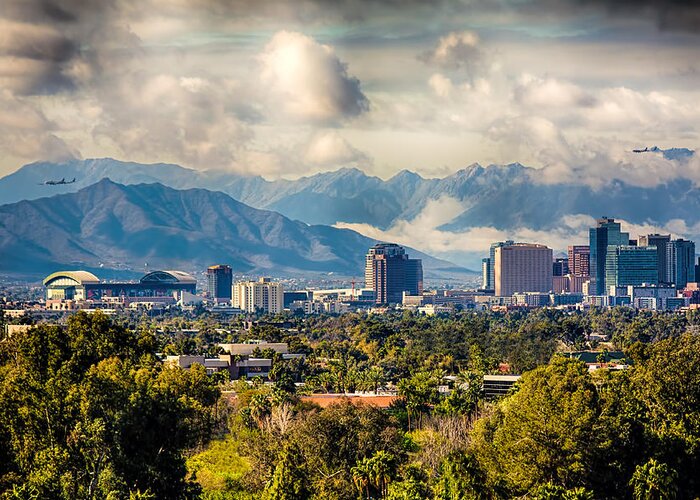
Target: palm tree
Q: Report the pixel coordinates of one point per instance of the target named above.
(382, 468)
(362, 475)
(259, 408)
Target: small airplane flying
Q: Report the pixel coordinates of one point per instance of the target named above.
(57, 183)
(645, 150)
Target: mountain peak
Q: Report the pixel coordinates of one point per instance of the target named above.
(404, 175)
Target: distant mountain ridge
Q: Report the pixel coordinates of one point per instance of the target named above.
(123, 226)
(500, 196)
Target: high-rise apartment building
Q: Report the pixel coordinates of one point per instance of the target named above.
(680, 262)
(605, 235)
(579, 260)
(219, 282)
(630, 265)
(660, 241)
(389, 273)
(522, 267)
(262, 295)
(492, 261)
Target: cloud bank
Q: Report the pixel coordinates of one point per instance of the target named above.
(468, 247)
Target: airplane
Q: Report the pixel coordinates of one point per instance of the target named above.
(645, 150)
(57, 183)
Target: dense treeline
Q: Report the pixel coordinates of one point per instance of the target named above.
(563, 433)
(88, 411)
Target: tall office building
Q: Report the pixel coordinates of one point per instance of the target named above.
(579, 260)
(486, 274)
(660, 241)
(605, 235)
(219, 282)
(680, 262)
(492, 261)
(630, 265)
(522, 267)
(560, 266)
(262, 295)
(389, 272)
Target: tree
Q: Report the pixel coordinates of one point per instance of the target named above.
(362, 476)
(412, 486)
(382, 466)
(461, 478)
(289, 481)
(419, 391)
(551, 491)
(654, 481)
(88, 411)
(545, 432)
(667, 383)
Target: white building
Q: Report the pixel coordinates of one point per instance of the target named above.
(263, 295)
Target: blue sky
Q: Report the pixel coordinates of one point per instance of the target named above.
(285, 89)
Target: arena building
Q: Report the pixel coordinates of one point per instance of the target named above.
(83, 285)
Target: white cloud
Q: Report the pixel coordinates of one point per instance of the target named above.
(423, 232)
(330, 149)
(550, 92)
(308, 81)
(457, 50)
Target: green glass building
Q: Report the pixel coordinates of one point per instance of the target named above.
(606, 234)
(631, 265)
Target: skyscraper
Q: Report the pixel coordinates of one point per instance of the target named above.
(660, 241)
(579, 260)
(560, 266)
(389, 272)
(486, 274)
(219, 281)
(630, 265)
(492, 261)
(522, 267)
(606, 234)
(680, 262)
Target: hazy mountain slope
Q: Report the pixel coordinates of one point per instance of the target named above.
(505, 197)
(124, 226)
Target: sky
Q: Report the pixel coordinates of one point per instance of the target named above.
(285, 89)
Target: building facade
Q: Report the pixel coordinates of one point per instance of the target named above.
(389, 273)
(486, 274)
(579, 260)
(631, 265)
(660, 241)
(522, 267)
(263, 295)
(680, 262)
(560, 266)
(83, 285)
(606, 234)
(219, 282)
(492, 262)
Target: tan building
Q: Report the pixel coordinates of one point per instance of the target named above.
(263, 295)
(522, 267)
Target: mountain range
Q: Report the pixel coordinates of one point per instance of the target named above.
(508, 198)
(122, 227)
(498, 196)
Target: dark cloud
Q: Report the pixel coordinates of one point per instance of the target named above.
(46, 45)
(667, 15)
